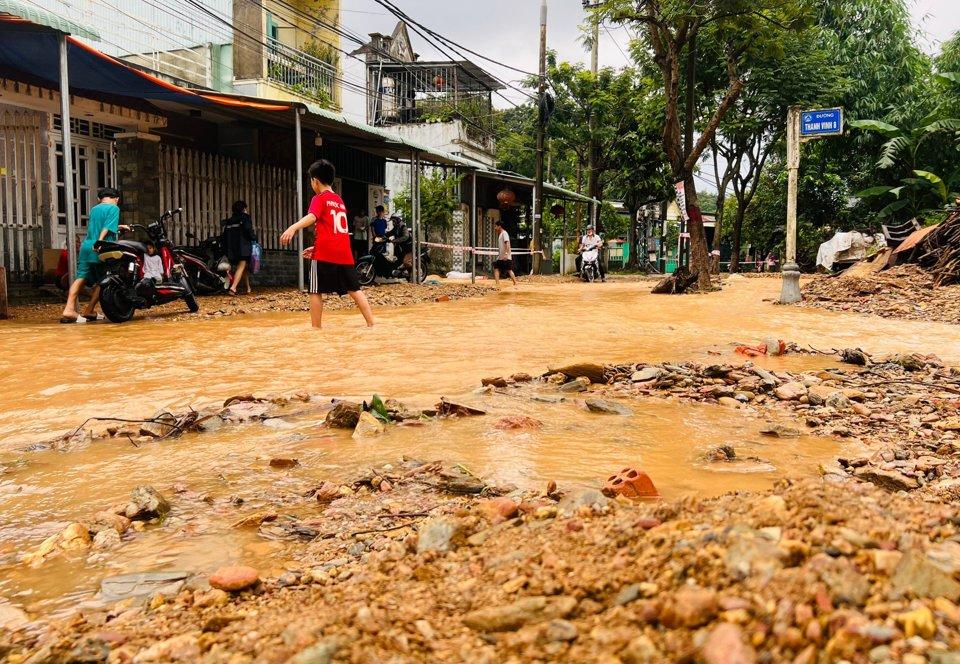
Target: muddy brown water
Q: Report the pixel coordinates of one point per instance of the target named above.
(55, 376)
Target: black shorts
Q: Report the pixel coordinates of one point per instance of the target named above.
(333, 278)
(503, 265)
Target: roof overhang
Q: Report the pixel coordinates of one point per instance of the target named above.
(14, 11)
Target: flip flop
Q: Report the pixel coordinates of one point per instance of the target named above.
(66, 319)
(93, 318)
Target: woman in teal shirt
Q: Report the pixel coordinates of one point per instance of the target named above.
(103, 224)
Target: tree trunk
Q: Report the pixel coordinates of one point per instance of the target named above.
(735, 239)
(699, 256)
(633, 262)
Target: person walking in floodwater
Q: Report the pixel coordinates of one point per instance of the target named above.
(103, 224)
(504, 262)
(237, 238)
(332, 269)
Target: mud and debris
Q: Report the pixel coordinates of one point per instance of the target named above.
(906, 291)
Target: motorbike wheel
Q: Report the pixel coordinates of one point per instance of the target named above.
(115, 305)
(366, 273)
(590, 276)
(189, 297)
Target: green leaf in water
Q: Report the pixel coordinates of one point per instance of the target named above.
(379, 409)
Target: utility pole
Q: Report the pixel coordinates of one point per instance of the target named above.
(790, 290)
(592, 147)
(541, 129)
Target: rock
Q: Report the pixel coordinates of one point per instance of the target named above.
(790, 391)
(725, 645)
(720, 453)
(917, 575)
(919, 622)
(577, 385)
(235, 578)
(182, 648)
(626, 595)
(521, 378)
(281, 463)
(497, 510)
(141, 584)
(846, 584)
(607, 407)
(590, 498)
(691, 606)
(12, 618)
(524, 611)
(212, 597)
(438, 534)
(750, 553)
(344, 415)
(891, 480)
(457, 481)
(631, 483)
(818, 394)
(517, 422)
(451, 409)
(368, 426)
(318, 653)
(107, 519)
(641, 650)
(74, 537)
(106, 539)
(592, 372)
(728, 402)
(780, 431)
(146, 503)
(495, 382)
(561, 630)
(646, 374)
(327, 492)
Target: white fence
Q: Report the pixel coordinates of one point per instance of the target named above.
(21, 193)
(206, 186)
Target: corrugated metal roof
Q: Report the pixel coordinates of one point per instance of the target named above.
(39, 16)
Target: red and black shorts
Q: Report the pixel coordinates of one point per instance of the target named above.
(333, 278)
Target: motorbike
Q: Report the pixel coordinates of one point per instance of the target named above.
(206, 266)
(376, 264)
(590, 264)
(124, 289)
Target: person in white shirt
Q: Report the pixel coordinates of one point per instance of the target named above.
(592, 241)
(152, 264)
(504, 262)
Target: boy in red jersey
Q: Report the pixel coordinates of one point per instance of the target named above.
(331, 267)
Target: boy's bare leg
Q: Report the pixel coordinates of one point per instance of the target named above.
(94, 299)
(363, 305)
(496, 277)
(316, 309)
(70, 309)
(246, 281)
(513, 277)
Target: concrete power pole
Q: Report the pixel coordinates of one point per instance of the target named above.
(790, 291)
(541, 128)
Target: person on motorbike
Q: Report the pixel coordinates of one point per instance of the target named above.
(591, 240)
(103, 224)
(395, 235)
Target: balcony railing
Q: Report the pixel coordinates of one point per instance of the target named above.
(300, 72)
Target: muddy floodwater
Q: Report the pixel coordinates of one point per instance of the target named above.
(54, 377)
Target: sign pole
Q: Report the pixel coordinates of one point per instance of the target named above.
(790, 290)
(70, 213)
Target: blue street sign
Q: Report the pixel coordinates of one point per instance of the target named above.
(821, 122)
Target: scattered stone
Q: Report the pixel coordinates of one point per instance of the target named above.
(141, 584)
(511, 617)
(74, 537)
(917, 575)
(439, 534)
(450, 409)
(181, 648)
(790, 391)
(589, 498)
(781, 431)
(561, 630)
(495, 382)
(281, 463)
(106, 539)
(12, 618)
(146, 503)
(891, 480)
(576, 385)
(645, 375)
(318, 653)
(607, 407)
(725, 645)
(497, 510)
(344, 415)
(691, 606)
(234, 579)
(517, 422)
(595, 373)
(368, 426)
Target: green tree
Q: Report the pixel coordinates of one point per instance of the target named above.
(671, 32)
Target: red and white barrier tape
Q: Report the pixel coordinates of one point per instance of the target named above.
(480, 251)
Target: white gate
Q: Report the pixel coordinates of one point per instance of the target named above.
(206, 186)
(21, 193)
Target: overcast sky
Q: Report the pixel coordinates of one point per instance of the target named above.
(507, 30)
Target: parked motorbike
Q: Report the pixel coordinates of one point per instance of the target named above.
(206, 266)
(590, 264)
(376, 264)
(124, 289)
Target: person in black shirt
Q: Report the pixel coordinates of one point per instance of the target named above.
(237, 236)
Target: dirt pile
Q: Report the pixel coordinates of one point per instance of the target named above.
(277, 299)
(905, 291)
